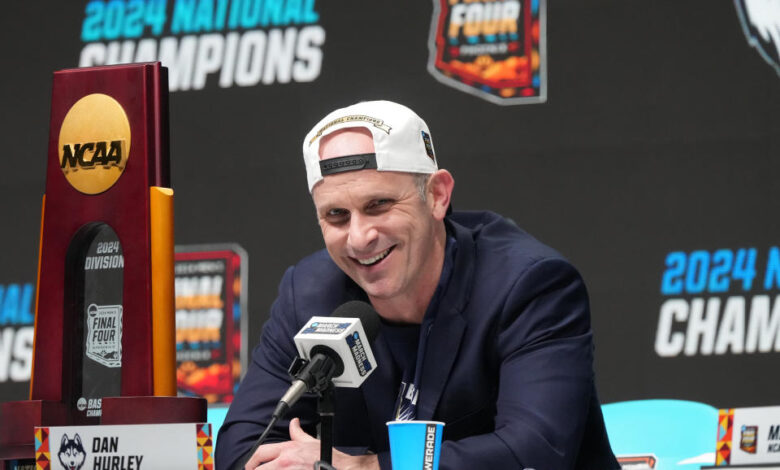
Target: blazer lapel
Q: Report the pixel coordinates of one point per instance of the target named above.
(379, 393)
(440, 352)
(444, 340)
(449, 326)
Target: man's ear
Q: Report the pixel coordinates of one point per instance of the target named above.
(440, 185)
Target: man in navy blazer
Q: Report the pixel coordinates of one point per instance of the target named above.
(483, 327)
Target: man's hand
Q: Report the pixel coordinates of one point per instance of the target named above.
(300, 453)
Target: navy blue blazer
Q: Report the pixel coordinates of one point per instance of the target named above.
(507, 366)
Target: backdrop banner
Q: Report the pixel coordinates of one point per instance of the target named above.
(640, 139)
(211, 342)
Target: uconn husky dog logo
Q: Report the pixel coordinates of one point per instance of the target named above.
(71, 454)
(761, 23)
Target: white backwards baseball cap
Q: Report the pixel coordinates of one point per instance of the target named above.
(402, 141)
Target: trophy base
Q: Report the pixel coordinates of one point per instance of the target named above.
(153, 410)
(18, 420)
(18, 416)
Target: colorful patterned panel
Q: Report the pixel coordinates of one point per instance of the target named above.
(42, 453)
(205, 453)
(725, 429)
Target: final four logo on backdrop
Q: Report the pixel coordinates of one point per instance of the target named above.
(495, 50)
(747, 439)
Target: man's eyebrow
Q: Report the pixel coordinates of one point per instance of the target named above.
(327, 206)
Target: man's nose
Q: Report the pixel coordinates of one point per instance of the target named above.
(362, 233)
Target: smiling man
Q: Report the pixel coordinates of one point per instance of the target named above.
(381, 229)
(483, 327)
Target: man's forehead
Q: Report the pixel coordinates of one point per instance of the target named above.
(361, 185)
(348, 141)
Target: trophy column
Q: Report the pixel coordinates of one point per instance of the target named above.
(93, 292)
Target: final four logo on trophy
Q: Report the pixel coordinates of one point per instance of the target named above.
(94, 143)
(104, 334)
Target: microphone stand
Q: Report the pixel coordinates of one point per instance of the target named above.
(326, 407)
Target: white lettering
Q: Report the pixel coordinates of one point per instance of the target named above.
(763, 328)
(93, 54)
(309, 54)
(21, 367)
(104, 262)
(279, 58)
(16, 354)
(669, 344)
(732, 327)
(146, 50)
(209, 58)
(251, 52)
(178, 56)
(702, 326)
(711, 331)
(112, 53)
(6, 343)
(198, 285)
(236, 58)
(229, 64)
(196, 319)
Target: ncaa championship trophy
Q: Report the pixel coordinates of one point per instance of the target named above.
(104, 350)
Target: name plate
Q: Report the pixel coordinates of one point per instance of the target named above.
(748, 436)
(127, 447)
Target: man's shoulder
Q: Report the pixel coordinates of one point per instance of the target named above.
(316, 263)
(317, 271)
(499, 239)
(317, 282)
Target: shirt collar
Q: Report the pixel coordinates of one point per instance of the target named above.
(450, 250)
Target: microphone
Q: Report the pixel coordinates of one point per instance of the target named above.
(337, 349)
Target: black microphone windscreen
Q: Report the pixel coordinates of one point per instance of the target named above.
(362, 311)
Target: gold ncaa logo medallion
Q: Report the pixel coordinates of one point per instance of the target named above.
(94, 143)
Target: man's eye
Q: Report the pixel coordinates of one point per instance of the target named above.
(380, 204)
(337, 215)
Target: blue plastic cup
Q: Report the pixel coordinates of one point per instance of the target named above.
(415, 445)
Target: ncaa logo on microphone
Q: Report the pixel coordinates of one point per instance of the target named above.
(358, 353)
